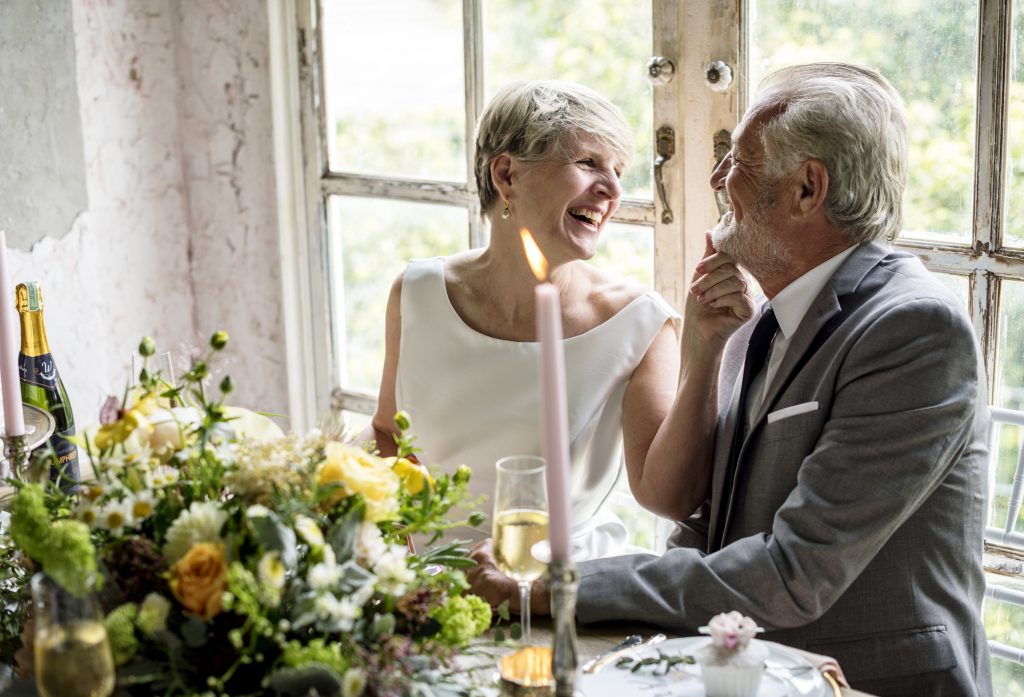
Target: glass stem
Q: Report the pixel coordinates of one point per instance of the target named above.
(524, 610)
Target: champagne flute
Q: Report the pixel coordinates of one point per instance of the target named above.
(72, 651)
(520, 522)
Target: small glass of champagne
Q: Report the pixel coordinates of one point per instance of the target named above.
(72, 652)
(520, 522)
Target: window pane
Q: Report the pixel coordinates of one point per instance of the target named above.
(627, 251)
(371, 241)
(603, 44)
(1014, 232)
(926, 48)
(1004, 622)
(1010, 356)
(393, 76)
(959, 285)
(1006, 445)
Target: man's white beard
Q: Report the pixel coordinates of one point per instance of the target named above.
(750, 243)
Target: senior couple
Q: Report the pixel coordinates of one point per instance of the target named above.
(822, 448)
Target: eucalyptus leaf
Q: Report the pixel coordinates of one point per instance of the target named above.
(193, 631)
(342, 535)
(354, 577)
(275, 536)
(312, 678)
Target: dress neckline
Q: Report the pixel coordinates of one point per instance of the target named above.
(439, 263)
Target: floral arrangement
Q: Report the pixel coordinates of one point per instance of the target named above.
(232, 559)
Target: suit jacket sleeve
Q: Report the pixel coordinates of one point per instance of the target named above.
(901, 415)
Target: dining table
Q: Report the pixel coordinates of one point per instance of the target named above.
(480, 662)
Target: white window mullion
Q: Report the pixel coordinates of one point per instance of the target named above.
(473, 50)
(991, 123)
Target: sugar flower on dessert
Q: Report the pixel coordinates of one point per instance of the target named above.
(731, 630)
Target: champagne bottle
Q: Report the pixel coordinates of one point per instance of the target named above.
(41, 385)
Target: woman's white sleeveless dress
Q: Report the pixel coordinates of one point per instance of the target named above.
(474, 399)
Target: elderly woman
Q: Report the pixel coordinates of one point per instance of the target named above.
(461, 350)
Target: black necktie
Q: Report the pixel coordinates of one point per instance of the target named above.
(758, 346)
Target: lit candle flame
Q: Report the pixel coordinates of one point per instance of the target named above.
(538, 264)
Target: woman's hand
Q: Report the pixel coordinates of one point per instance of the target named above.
(719, 302)
(487, 581)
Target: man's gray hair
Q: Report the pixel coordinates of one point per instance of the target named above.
(854, 121)
(543, 118)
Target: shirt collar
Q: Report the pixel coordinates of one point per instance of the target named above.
(792, 302)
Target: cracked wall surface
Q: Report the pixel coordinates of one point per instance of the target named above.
(42, 173)
(179, 236)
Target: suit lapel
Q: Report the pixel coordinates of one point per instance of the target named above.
(823, 314)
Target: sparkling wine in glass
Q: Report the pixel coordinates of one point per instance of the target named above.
(520, 522)
(72, 652)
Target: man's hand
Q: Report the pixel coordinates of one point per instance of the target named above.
(719, 302)
(495, 587)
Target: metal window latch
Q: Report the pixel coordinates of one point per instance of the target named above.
(665, 138)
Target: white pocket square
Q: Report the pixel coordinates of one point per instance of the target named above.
(792, 411)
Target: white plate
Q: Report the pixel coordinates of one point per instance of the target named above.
(788, 675)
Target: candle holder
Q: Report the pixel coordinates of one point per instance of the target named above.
(565, 580)
(39, 426)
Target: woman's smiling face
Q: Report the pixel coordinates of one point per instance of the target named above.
(566, 203)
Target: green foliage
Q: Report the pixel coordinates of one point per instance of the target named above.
(63, 548)
(462, 617)
(120, 625)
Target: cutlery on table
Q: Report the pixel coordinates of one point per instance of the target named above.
(632, 642)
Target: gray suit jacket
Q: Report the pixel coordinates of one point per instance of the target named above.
(855, 527)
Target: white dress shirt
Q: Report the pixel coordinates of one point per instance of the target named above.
(790, 305)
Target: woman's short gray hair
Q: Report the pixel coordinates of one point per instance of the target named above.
(533, 120)
(854, 121)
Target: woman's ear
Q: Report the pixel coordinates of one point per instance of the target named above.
(502, 168)
(811, 188)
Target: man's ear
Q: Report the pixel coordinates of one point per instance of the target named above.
(502, 172)
(811, 188)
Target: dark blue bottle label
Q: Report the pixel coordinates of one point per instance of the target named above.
(39, 370)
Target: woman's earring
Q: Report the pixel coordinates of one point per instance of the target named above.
(506, 214)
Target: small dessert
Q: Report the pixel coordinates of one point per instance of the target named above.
(732, 664)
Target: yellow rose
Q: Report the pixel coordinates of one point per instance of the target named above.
(413, 475)
(198, 579)
(359, 472)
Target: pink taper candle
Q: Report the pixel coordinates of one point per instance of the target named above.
(554, 411)
(14, 419)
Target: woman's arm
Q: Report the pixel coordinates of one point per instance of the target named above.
(383, 424)
(669, 444)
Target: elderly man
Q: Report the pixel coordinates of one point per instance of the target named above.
(840, 479)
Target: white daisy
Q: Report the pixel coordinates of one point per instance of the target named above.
(353, 683)
(115, 515)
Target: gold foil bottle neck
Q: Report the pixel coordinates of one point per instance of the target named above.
(28, 297)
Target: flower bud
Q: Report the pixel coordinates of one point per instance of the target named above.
(219, 340)
(402, 421)
(476, 519)
(226, 386)
(462, 474)
(147, 347)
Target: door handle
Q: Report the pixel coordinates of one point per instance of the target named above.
(666, 147)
